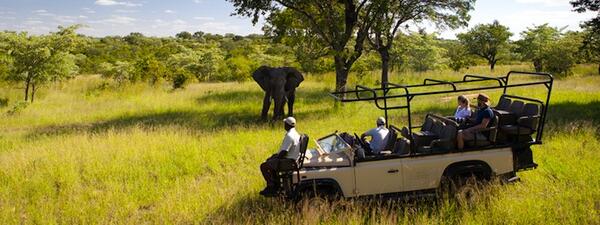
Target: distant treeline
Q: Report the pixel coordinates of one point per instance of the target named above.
(33, 60)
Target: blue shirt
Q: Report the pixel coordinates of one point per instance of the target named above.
(484, 113)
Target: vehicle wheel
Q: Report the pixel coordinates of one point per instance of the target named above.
(466, 190)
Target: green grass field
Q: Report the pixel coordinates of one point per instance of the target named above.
(83, 154)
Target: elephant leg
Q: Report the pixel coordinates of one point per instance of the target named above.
(278, 110)
(266, 106)
(291, 97)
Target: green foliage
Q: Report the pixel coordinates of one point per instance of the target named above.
(184, 35)
(419, 52)
(488, 41)
(536, 42)
(37, 60)
(561, 55)
(17, 108)
(180, 78)
(120, 71)
(458, 56)
(3, 102)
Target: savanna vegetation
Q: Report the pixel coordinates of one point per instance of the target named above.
(136, 130)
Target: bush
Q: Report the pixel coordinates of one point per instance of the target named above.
(3, 102)
(18, 107)
(180, 78)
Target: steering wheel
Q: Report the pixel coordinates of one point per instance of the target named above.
(361, 142)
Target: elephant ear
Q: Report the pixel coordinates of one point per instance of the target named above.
(293, 78)
(261, 76)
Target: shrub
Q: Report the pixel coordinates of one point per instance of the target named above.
(18, 107)
(3, 102)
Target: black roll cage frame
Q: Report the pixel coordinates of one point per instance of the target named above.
(503, 83)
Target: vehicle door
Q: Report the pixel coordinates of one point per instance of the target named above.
(378, 176)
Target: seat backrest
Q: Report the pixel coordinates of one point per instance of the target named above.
(494, 132)
(303, 145)
(428, 124)
(503, 103)
(516, 107)
(438, 126)
(392, 136)
(404, 132)
(402, 146)
(531, 109)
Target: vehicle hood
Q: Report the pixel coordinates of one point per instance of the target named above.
(315, 159)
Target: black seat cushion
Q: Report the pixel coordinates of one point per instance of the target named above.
(515, 129)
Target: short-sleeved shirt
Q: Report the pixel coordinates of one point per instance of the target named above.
(484, 113)
(291, 144)
(379, 138)
(462, 113)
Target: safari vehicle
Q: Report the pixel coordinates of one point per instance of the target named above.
(423, 159)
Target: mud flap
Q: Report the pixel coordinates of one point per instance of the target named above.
(523, 158)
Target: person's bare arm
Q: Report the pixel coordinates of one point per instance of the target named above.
(484, 123)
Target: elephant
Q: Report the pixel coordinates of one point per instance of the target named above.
(279, 84)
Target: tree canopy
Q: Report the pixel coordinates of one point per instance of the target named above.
(488, 41)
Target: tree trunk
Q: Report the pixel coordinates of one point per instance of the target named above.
(27, 81)
(385, 65)
(537, 65)
(32, 92)
(341, 75)
(598, 68)
(492, 64)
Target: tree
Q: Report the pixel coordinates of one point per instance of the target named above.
(422, 52)
(487, 41)
(120, 71)
(591, 47)
(336, 23)
(391, 14)
(591, 42)
(561, 55)
(588, 5)
(536, 42)
(37, 60)
(458, 55)
(184, 35)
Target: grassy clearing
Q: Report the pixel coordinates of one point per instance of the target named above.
(87, 155)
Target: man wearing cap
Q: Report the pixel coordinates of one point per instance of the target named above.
(379, 136)
(483, 120)
(290, 149)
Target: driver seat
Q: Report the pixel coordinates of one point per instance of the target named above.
(287, 167)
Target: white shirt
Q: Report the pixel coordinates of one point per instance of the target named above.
(379, 137)
(291, 144)
(462, 113)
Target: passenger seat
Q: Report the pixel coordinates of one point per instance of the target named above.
(526, 123)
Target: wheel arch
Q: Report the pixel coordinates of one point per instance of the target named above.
(479, 168)
(328, 184)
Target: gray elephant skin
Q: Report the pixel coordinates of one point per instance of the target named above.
(279, 84)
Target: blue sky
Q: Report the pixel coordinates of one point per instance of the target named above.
(166, 18)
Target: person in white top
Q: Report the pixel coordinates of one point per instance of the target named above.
(379, 136)
(290, 149)
(463, 111)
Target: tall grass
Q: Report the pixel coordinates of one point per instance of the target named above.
(85, 153)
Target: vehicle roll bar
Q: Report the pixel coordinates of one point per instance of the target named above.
(503, 82)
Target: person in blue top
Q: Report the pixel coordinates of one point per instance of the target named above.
(483, 120)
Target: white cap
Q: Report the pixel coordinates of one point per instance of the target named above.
(380, 121)
(290, 121)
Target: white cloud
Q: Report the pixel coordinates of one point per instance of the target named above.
(207, 18)
(118, 20)
(113, 3)
(40, 11)
(545, 2)
(198, 1)
(88, 10)
(126, 11)
(169, 11)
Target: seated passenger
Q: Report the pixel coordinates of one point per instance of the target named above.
(290, 149)
(463, 111)
(379, 137)
(483, 120)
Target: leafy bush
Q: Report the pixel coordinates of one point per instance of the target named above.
(18, 107)
(180, 79)
(3, 102)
